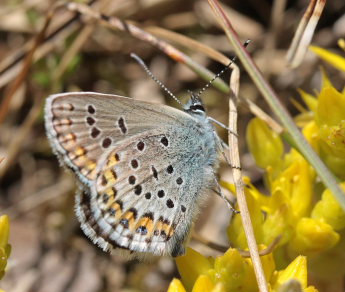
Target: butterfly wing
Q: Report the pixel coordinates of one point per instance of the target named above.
(148, 190)
(83, 126)
(145, 188)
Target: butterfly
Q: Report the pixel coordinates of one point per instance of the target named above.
(143, 168)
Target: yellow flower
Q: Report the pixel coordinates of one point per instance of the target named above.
(290, 200)
(5, 248)
(311, 133)
(296, 183)
(330, 139)
(265, 145)
(203, 284)
(312, 236)
(191, 265)
(234, 272)
(331, 107)
(277, 224)
(297, 270)
(334, 163)
(334, 59)
(329, 210)
(293, 278)
(309, 100)
(334, 136)
(235, 230)
(176, 286)
(219, 287)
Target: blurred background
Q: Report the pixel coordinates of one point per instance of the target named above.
(49, 250)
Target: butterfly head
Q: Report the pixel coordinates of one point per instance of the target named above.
(194, 106)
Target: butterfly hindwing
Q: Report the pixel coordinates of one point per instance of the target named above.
(147, 192)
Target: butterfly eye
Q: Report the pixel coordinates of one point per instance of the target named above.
(197, 107)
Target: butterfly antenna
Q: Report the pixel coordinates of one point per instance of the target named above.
(232, 60)
(142, 64)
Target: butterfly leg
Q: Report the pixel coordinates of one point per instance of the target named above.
(222, 145)
(220, 193)
(222, 125)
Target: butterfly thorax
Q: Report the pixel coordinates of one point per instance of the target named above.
(195, 108)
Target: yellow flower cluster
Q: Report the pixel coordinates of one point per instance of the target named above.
(290, 210)
(5, 248)
(232, 272)
(298, 211)
(306, 217)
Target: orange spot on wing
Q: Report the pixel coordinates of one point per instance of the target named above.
(147, 222)
(79, 151)
(165, 226)
(110, 176)
(118, 210)
(112, 161)
(130, 216)
(91, 165)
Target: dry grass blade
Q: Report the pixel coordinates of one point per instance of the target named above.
(188, 43)
(215, 55)
(77, 44)
(82, 37)
(257, 111)
(148, 35)
(65, 25)
(305, 32)
(25, 70)
(21, 134)
(120, 25)
(241, 198)
(61, 188)
(265, 251)
(209, 243)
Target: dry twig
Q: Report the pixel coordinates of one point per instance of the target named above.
(305, 32)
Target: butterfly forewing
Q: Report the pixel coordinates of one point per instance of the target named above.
(83, 126)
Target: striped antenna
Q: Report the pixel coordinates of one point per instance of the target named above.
(232, 60)
(142, 64)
